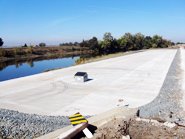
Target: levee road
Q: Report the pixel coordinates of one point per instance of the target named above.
(131, 81)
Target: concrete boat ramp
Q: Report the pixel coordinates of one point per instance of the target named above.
(131, 81)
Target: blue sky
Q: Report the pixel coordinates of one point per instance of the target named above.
(57, 21)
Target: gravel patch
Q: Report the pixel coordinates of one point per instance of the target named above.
(16, 125)
(167, 105)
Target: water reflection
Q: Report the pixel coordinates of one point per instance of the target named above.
(30, 62)
(20, 68)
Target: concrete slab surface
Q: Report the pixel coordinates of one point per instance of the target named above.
(133, 79)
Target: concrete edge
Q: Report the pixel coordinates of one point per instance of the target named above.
(151, 105)
(98, 120)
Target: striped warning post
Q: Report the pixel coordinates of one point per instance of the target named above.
(77, 119)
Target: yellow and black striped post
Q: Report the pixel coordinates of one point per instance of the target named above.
(77, 119)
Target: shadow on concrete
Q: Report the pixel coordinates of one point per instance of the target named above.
(88, 80)
(81, 134)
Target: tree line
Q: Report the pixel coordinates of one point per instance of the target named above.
(42, 44)
(127, 42)
(109, 44)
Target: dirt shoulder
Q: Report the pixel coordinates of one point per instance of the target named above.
(139, 129)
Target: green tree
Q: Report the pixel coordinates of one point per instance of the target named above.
(164, 43)
(84, 44)
(76, 43)
(108, 37)
(115, 46)
(138, 41)
(93, 44)
(25, 45)
(1, 42)
(107, 42)
(126, 42)
(122, 43)
(2, 51)
(156, 41)
(147, 42)
(42, 44)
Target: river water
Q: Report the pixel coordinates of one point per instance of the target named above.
(12, 70)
